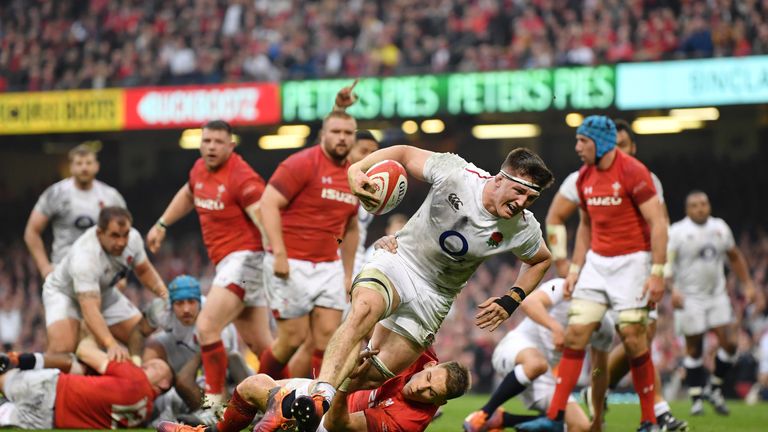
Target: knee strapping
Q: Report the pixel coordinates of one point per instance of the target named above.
(585, 312)
(375, 280)
(633, 316)
(381, 367)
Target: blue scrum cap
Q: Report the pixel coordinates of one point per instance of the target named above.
(184, 287)
(601, 130)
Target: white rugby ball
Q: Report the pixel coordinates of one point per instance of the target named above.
(390, 183)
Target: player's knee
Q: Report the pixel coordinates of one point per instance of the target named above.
(250, 387)
(207, 328)
(535, 368)
(583, 312)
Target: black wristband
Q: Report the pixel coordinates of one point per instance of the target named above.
(508, 303)
(519, 292)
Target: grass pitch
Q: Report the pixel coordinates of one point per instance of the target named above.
(623, 417)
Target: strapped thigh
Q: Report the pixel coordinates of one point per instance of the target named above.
(585, 311)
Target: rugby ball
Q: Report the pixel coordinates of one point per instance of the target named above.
(389, 183)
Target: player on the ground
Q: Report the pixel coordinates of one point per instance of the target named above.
(310, 216)
(82, 286)
(177, 343)
(622, 231)
(565, 204)
(71, 205)
(526, 356)
(225, 191)
(698, 246)
(121, 396)
(406, 403)
(468, 216)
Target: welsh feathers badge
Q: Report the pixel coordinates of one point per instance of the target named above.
(495, 239)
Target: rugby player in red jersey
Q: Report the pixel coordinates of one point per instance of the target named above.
(406, 402)
(225, 191)
(309, 216)
(618, 263)
(121, 396)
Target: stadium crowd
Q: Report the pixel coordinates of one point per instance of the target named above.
(22, 327)
(53, 45)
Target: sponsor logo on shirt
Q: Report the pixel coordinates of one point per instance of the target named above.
(454, 201)
(334, 195)
(386, 402)
(495, 239)
(604, 201)
(209, 204)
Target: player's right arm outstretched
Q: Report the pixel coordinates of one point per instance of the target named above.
(181, 204)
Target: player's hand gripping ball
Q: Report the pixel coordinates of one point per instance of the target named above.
(389, 183)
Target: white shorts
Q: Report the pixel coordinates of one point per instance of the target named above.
(701, 313)
(32, 396)
(615, 281)
(115, 307)
(536, 395)
(308, 285)
(763, 355)
(422, 307)
(241, 272)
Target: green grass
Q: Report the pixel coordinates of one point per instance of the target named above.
(623, 417)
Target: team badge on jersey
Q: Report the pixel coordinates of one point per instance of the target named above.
(495, 239)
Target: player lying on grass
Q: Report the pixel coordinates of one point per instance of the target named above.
(40, 396)
(526, 357)
(407, 402)
(404, 294)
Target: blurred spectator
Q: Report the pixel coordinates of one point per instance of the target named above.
(10, 317)
(65, 44)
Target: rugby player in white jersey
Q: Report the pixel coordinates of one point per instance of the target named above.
(468, 216)
(698, 247)
(71, 206)
(563, 206)
(82, 286)
(526, 356)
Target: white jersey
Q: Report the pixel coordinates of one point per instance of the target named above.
(88, 268)
(72, 211)
(568, 187)
(452, 233)
(602, 338)
(364, 220)
(699, 253)
(180, 341)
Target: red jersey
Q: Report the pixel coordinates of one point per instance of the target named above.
(320, 204)
(122, 397)
(221, 197)
(385, 408)
(612, 199)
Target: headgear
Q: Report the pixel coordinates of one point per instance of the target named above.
(184, 287)
(602, 131)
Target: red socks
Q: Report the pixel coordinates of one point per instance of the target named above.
(215, 364)
(317, 361)
(238, 415)
(567, 376)
(643, 380)
(272, 366)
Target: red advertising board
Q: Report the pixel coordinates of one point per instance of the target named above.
(191, 106)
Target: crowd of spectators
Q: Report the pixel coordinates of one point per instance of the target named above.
(459, 338)
(69, 44)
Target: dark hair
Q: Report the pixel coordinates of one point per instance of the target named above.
(81, 150)
(364, 134)
(457, 380)
(522, 161)
(623, 125)
(218, 125)
(108, 214)
(695, 192)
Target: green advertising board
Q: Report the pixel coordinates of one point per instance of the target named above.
(534, 90)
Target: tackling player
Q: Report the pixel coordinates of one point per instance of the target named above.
(225, 191)
(698, 246)
(468, 216)
(525, 357)
(309, 215)
(121, 396)
(71, 205)
(82, 286)
(565, 204)
(407, 402)
(622, 231)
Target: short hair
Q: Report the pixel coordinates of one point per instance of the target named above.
(337, 114)
(218, 125)
(623, 125)
(522, 161)
(457, 380)
(696, 192)
(81, 150)
(108, 214)
(364, 134)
